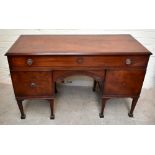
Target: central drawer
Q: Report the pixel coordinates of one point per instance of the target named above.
(75, 61)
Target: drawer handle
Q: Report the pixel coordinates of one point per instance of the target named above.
(128, 61)
(79, 60)
(29, 62)
(33, 85)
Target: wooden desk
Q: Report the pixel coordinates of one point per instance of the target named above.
(36, 62)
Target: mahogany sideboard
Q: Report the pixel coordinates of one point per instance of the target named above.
(117, 62)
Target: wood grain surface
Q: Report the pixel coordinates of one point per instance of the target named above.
(77, 45)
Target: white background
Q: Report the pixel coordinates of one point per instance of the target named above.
(79, 14)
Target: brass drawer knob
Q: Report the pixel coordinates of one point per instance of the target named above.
(79, 60)
(29, 62)
(128, 61)
(33, 85)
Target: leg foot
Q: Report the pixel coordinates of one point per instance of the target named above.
(20, 105)
(101, 114)
(23, 116)
(134, 102)
(52, 116)
(52, 108)
(130, 115)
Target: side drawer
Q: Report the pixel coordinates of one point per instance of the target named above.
(124, 82)
(32, 84)
(78, 61)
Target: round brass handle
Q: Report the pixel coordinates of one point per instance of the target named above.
(29, 62)
(33, 85)
(128, 61)
(79, 60)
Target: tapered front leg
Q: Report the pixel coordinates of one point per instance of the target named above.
(94, 85)
(134, 102)
(52, 108)
(20, 105)
(101, 114)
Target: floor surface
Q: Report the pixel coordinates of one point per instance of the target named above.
(76, 105)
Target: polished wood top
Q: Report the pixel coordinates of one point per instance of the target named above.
(123, 44)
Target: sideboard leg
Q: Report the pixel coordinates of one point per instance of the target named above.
(55, 86)
(134, 102)
(101, 114)
(52, 108)
(20, 105)
(94, 85)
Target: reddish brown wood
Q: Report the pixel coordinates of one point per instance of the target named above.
(32, 84)
(73, 61)
(117, 62)
(77, 45)
(62, 74)
(123, 82)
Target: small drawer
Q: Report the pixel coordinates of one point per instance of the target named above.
(32, 84)
(78, 61)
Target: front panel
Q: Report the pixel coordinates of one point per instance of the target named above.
(32, 84)
(78, 61)
(123, 82)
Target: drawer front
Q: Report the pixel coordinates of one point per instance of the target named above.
(122, 82)
(78, 61)
(32, 83)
